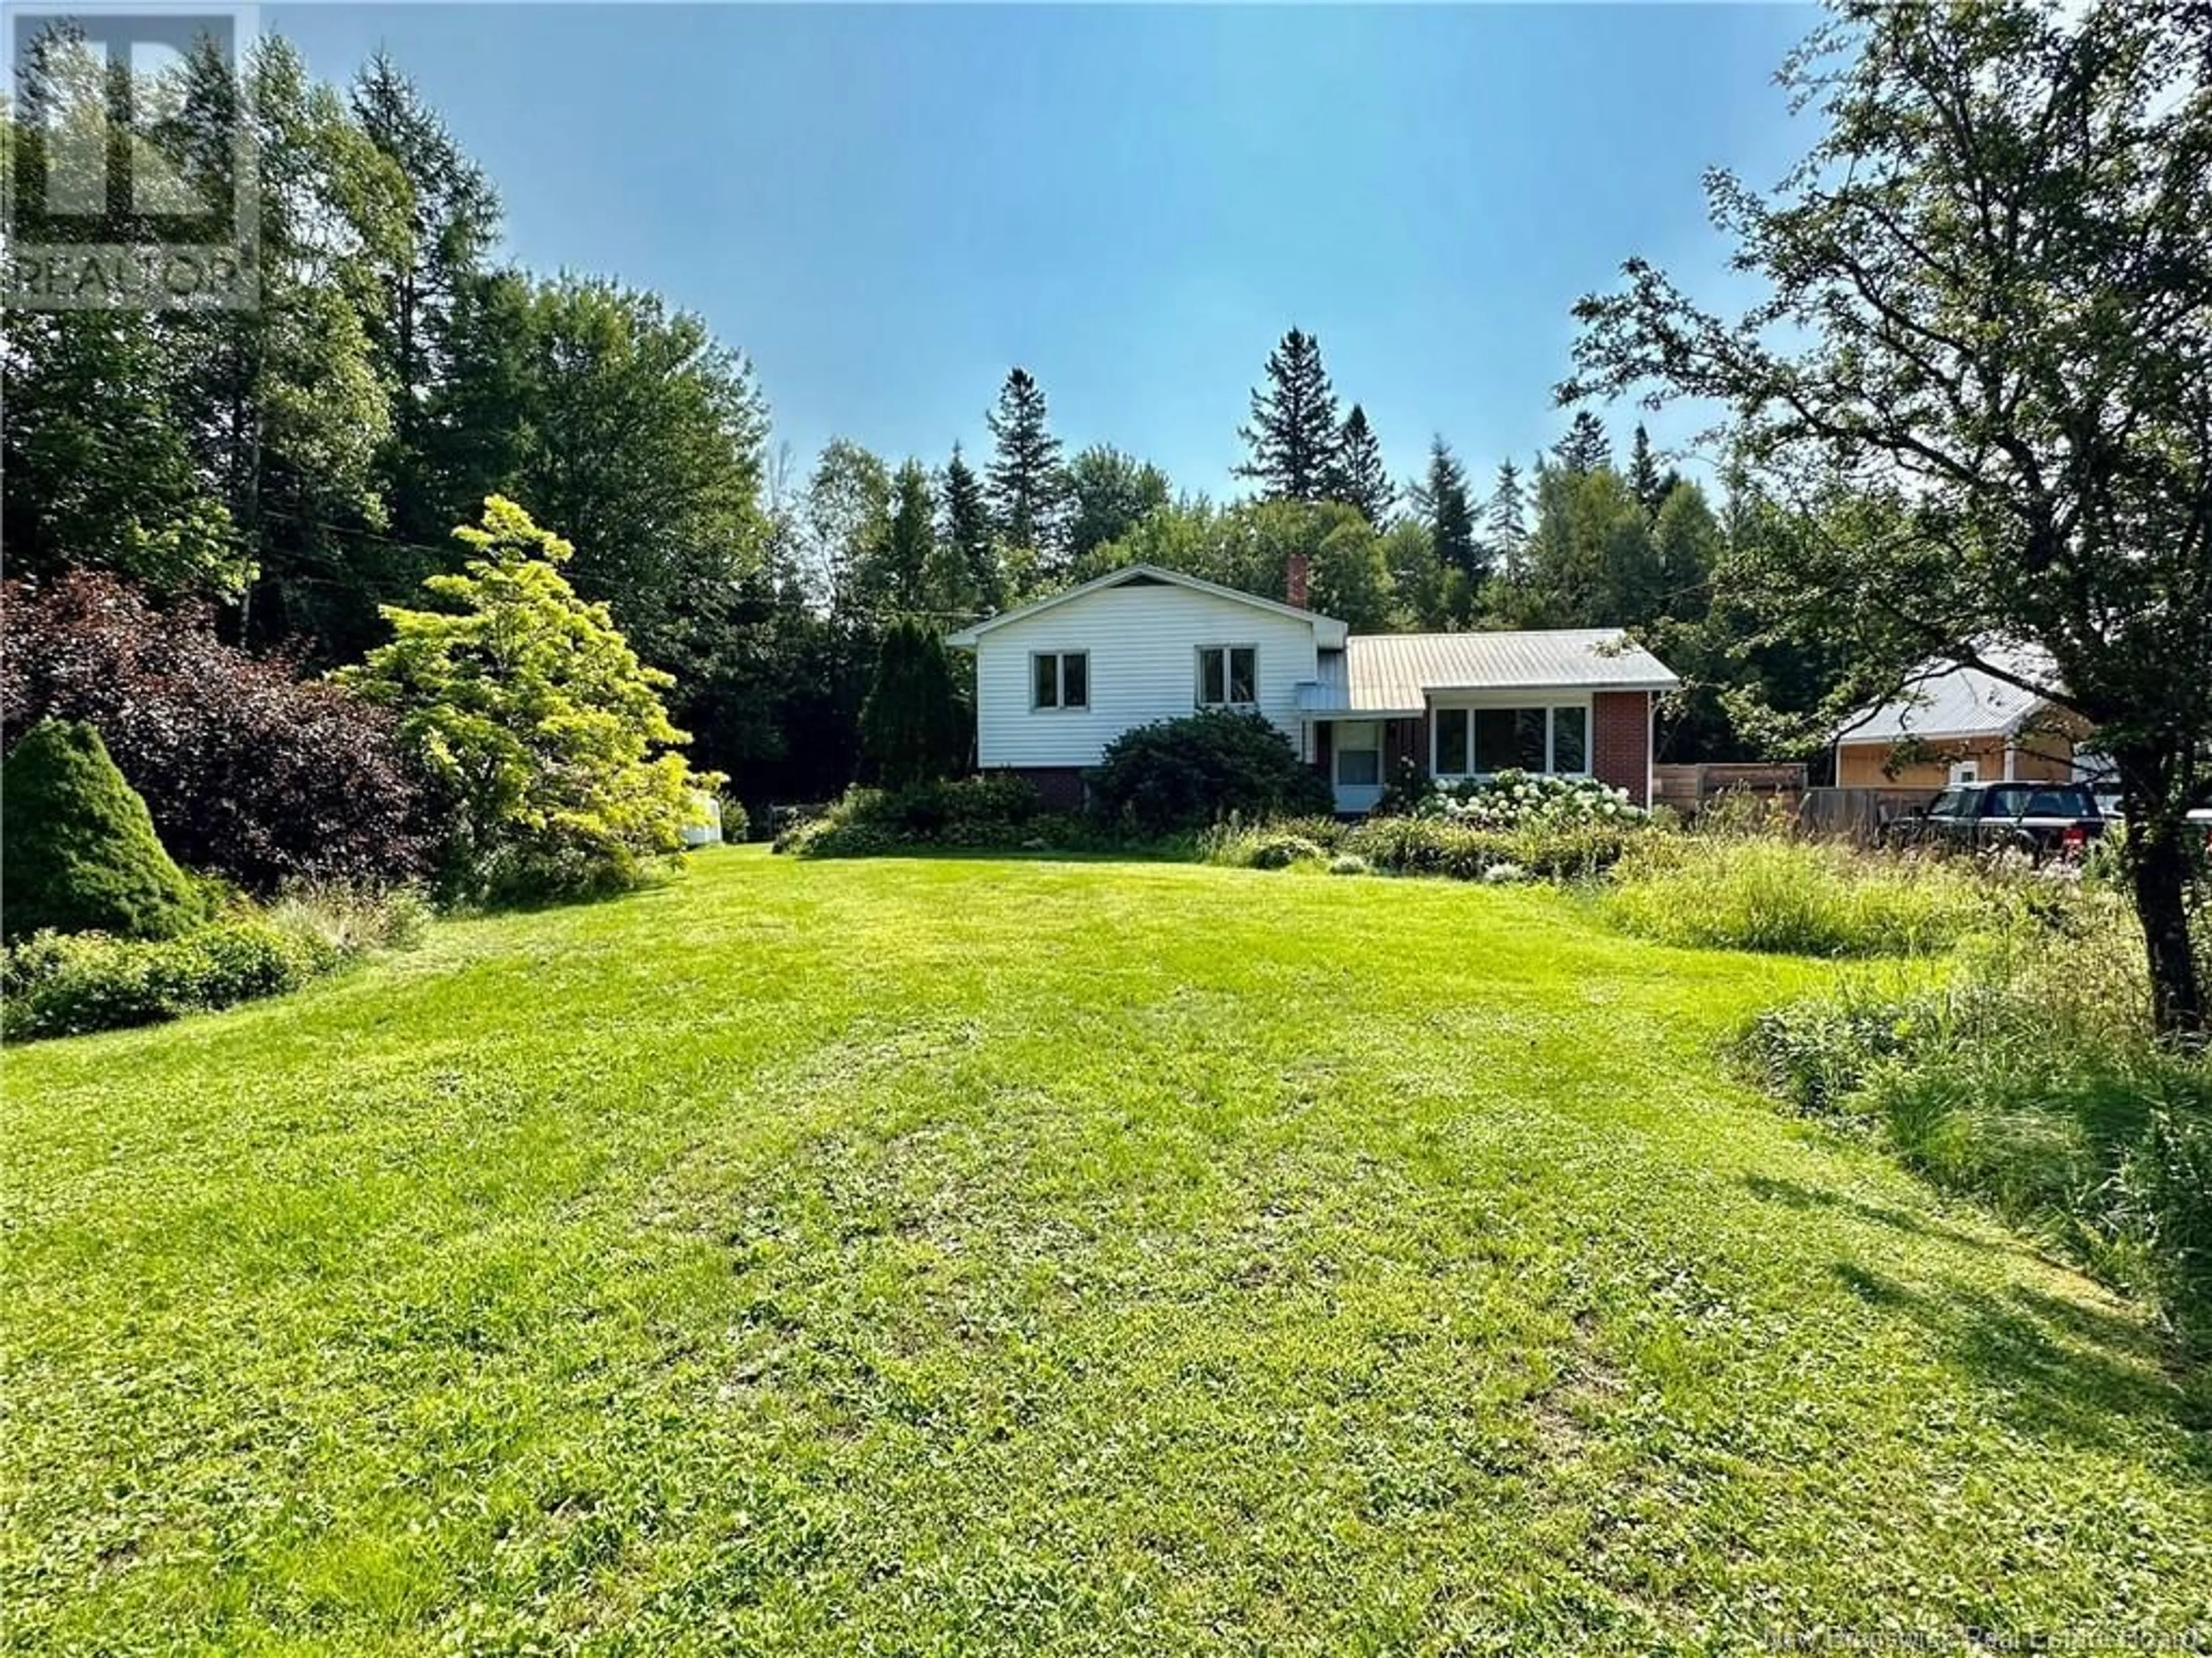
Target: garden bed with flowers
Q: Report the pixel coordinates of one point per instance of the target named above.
(1514, 826)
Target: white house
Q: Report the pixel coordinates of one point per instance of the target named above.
(1059, 679)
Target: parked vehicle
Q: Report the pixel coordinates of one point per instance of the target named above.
(2042, 820)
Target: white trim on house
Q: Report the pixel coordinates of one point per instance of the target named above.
(1328, 632)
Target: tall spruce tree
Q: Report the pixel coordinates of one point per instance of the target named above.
(1028, 484)
(1451, 518)
(1505, 519)
(1584, 448)
(1356, 475)
(1293, 433)
(1643, 479)
(967, 531)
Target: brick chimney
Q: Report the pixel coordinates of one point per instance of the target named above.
(1294, 583)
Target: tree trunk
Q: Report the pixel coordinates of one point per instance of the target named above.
(2158, 870)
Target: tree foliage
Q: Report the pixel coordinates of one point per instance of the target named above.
(535, 717)
(1357, 476)
(913, 727)
(1029, 489)
(79, 849)
(1982, 382)
(251, 771)
(1292, 437)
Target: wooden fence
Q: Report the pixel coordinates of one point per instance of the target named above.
(1857, 815)
(1689, 789)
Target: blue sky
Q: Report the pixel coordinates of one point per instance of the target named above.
(885, 208)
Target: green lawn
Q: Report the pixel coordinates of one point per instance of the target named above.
(994, 1257)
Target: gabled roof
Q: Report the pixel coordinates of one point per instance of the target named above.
(1328, 632)
(1943, 700)
(1396, 674)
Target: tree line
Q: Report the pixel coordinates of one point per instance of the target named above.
(305, 462)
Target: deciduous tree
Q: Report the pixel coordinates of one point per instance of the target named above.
(1990, 325)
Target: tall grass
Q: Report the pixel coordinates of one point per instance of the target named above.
(1798, 897)
(2025, 1075)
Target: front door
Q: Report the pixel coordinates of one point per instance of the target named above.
(1358, 765)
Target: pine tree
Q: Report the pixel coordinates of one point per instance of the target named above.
(1293, 433)
(1356, 475)
(1451, 518)
(967, 531)
(1027, 484)
(1584, 448)
(1507, 519)
(1644, 474)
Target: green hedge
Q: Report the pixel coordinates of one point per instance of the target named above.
(66, 984)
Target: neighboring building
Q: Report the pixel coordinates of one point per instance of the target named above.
(1058, 680)
(1957, 725)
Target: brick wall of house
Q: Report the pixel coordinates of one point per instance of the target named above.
(1621, 742)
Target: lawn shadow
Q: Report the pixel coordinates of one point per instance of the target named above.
(2054, 1369)
(1793, 1195)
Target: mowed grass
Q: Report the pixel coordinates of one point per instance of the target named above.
(925, 1256)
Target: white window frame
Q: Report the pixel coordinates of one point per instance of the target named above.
(1228, 676)
(1059, 683)
(1467, 708)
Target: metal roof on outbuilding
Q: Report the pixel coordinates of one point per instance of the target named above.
(1947, 700)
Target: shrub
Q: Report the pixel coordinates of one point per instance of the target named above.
(1282, 851)
(1438, 846)
(247, 769)
(991, 810)
(2027, 1077)
(1347, 863)
(79, 849)
(1237, 845)
(1799, 897)
(1516, 799)
(538, 721)
(1182, 774)
(60, 985)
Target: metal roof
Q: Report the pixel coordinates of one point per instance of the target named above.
(1328, 632)
(1943, 700)
(1396, 674)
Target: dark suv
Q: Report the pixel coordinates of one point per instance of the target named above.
(2042, 820)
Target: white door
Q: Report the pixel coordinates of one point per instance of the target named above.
(1359, 763)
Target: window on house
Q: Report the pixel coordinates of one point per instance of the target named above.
(1228, 676)
(1477, 741)
(1059, 679)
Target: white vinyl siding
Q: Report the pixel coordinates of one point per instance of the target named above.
(1143, 644)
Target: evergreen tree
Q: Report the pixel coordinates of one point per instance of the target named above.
(1643, 480)
(1584, 448)
(912, 727)
(1028, 486)
(79, 846)
(1506, 519)
(967, 533)
(1293, 433)
(1356, 475)
(1451, 518)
